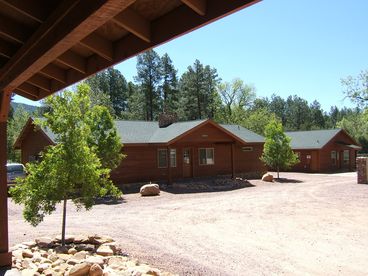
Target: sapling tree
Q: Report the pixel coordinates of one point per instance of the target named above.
(277, 153)
(77, 167)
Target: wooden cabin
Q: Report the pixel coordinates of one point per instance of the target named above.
(168, 152)
(324, 150)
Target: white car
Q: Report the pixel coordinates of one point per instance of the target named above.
(14, 170)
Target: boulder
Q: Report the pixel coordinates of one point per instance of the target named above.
(104, 250)
(44, 242)
(267, 177)
(150, 190)
(95, 270)
(80, 270)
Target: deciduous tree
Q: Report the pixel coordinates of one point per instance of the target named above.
(277, 152)
(78, 166)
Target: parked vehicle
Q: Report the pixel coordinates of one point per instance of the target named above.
(14, 170)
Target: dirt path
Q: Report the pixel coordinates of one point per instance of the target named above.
(313, 224)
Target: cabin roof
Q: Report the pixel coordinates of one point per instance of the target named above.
(313, 139)
(149, 132)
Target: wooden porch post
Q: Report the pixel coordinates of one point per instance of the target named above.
(5, 255)
(232, 162)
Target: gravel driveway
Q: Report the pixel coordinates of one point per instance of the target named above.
(310, 224)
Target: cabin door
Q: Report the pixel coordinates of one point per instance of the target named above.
(187, 163)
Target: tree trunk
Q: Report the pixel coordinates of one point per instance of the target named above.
(64, 223)
(278, 173)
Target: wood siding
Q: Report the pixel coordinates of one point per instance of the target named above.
(34, 143)
(321, 158)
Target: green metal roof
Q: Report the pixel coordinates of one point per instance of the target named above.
(311, 139)
(245, 134)
(136, 132)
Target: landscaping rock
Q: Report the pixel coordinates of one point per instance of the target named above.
(150, 190)
(72, 251)
(27, 253)
(44, 242)
(95, 270)
(267, 177)
(80, 255)
(95, 260)
(68, 239)
(104, 250)
(80, 269)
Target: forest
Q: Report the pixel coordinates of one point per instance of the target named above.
(200, 93)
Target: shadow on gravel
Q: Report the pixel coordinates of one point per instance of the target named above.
(109, 201)
(212, 189)
(287, 180)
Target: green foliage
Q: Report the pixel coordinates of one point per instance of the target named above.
(16, 123)
(357, 126)
(277, 152)
(257, 120)
(78, 166)
(198, 92)
(149, 75)
(356, 88)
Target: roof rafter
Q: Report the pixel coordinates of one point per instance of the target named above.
(134, 23)
(199, 6)
(54, 72)
(99, 45)
(28, 8)
(13, 31)
(6, 49)
(73, 60)
(40, 82)
(66, 26)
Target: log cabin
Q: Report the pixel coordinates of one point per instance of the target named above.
(168, 151)
(324, 151)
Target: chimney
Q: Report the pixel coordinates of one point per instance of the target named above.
(167, 118)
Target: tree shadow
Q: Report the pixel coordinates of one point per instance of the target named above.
(109, 200)
(287, 180)
(210, 189)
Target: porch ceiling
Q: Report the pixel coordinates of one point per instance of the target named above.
(46, 46)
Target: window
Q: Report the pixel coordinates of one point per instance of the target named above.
(206, 156)
(186, 156)
(333, 157)
(162, 158)
(247, 148)
(172, 158)
(346, 156)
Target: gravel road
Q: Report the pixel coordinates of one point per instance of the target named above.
(309, 224)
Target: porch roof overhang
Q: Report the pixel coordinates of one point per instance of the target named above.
(46, 46)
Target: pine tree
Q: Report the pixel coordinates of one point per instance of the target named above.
(149, 78)
(169, 87)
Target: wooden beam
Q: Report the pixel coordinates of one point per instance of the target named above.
(25, 95)
(134, 23)
(99, 45)
(29, 89)
(73, 60)
(14, 31)
(199, 6)
(162, 30)
(5, 97)
(70, 22)
(6, 49)
(31, 9)
(40, 82)
(54, 72)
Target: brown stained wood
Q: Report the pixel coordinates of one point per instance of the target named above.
(5, 255)
(54, 72)
(4, 105)
(6, 49)
(74, 61)
(99, 45)
(14, 31)
(67, 25)
(134, 23)
(40, 82)
(25, 95)
(199, 6)
(29, 89)
(31, 9)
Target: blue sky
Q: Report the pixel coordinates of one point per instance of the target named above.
(280, 46)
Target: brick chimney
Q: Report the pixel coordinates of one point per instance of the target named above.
(167, 118)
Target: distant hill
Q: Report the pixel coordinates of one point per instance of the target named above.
(26, 107)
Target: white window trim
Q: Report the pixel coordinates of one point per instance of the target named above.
(171, 164)
(199, 156)
(158, 158)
